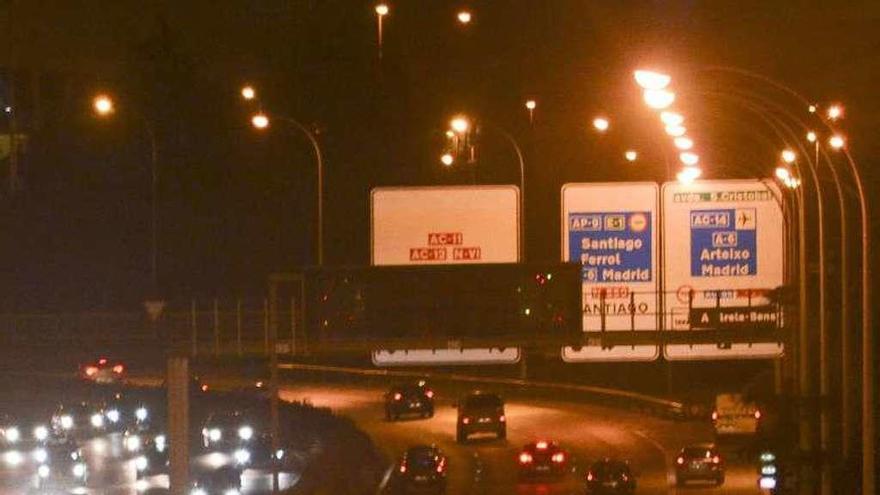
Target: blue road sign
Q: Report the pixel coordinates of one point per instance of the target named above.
(613, 247)
(724, 243)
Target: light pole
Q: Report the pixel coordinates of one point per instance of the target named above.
(262, 121)
(104, 107)
(381, 12)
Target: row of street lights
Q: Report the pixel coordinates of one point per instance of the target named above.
(463, 17)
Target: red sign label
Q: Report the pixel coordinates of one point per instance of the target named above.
(427, 254)
(467, 253)
(445, 238)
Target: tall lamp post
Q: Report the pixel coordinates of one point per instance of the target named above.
(104, 107)
(381, 12)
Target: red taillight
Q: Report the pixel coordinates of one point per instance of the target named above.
(680, 460)
(91, 371)
(541, 445)
(397, 396)
(441, 466)
(102, 361)
(757, 414)
(525, 458)
(429, 394)
(589, 476)
(502, 419)
(716, 460)
(558, 457)
(403, 468)
(714, 415)
(204, 388)
(466, 420)
(118, 369)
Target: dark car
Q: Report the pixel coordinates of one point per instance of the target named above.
(411, 398)
(422, 469)
(480, 412)
(542, 458)
(610, 477)
(699, 462)
(243, 434)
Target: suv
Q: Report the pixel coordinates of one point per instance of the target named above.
(480, 412)
(411, 398)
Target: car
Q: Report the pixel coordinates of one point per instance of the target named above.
(542, 458)
(699, 462)
(103, 371)
(60, 466)
(79, 419)
(422, 469)
(243, 434)
(610, 477)
(480, 412)
(409, 398)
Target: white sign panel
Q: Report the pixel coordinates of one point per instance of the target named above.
(611, 229)
(443, 226)
(723, 245)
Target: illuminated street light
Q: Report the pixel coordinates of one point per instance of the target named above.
(103, 105)
(782, 173)
(260, 121)
(788, 156)
(659, 99)
(689, 159)
(812, 108)
(811, 137)
(450, 133)
(530, 106)
(464, 17)
(381, 12)
(601, 124)
(792, 182)
(684, 143)
(460, 124)
(248, 93)
(648, 79)
(447, 159)
(675, 130)
(382, 9)
(631, 155)
(835, 112)
(671, 118)
(688, 175)
(837, 142)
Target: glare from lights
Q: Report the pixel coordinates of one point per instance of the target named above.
(767, 483)
(675, 130)
(783, 173)
(531, 104)
(245, 433)
(812, 108)
(649, 79)
(460, 125)
(450, 133)
(788, 156)
(447, 159)
(103, 105)
(141, 413)
(79, 470)
(601, 124)
(671, 118)
(40, 455)
(133, 443)
(659, 99)
(159, 441)
(66, 422)
(835, 112)
(683, 143)
(215, 435)
(232, 491)
(688, 175)
(631, 155)
(811, 137)
(248, 93)
(113, 415)
(141, 463)
(198, 491)
(837, 142)
(12, 435)
(43, 471)
(242, 456)
(689, 159)
(792, 182)
(41, 433)
(382, 9)
(97, 420)
(464, 17)
(13, 458)
(279, 454)
(260, 121)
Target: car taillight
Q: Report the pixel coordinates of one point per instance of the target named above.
(714, 415)
(590, 476)
(716, 460)
(558, 457)
(466, 420)
(429, 394)
(757, 414)
(403, 468)
(541, 445)
(398, 396)
(525, 458)
(502, 418)
(680, 460)
(441, 466)
(204, 388)
(91, 371)
(102, 361)
(118, 369)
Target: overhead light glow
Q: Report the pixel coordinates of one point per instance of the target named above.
(531, 104)
(688, 175)
(683, 143)
(447, 159)
(782, 173)
(837, 142)
(382, 9)
(464, 17)
(835, 112)
(260, 121)
(689, 159)
(649, 79)
(811, 137)
(460, 124)
(103, 105)
(248, 93)
(601, 124)
(631, 155)
(675, 130)
(659, 99)
(788, 156)
(671, 118)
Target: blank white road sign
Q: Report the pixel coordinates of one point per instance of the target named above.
(723, 245)
(611, 229)
(446, 225)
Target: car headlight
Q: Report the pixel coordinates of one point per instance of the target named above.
(215, 434)
(74, 455)
(133, 443)
(79, 470)
(113, 415)
(245, 433)
(141, 414)
(41, 433)
(13, 458)
(97, 420)
(242, 456)
(279, 454)
(43, 471)
(67, 422)
(40, 455)
(140, 463)
(160, 443)
(12, 435)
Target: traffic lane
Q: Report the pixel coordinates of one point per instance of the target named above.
(590, 432)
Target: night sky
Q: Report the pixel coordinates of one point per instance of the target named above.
(236, 204)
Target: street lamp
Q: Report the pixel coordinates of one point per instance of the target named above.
(671, 118)
(631, 155)
(248, 92)
(459, 124)
(464, 17)
(649, 79)
(782, 173)
(103, 105)
(811, 137)
(688, 175)
(260, 121)
(683, 143)
(601, 124)
(837, 141)
(447, 159)
(835, 112)
(675, 130)
(689, 159)
(530, 106)
(788, 156)
(659, 99)
(381, 12)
